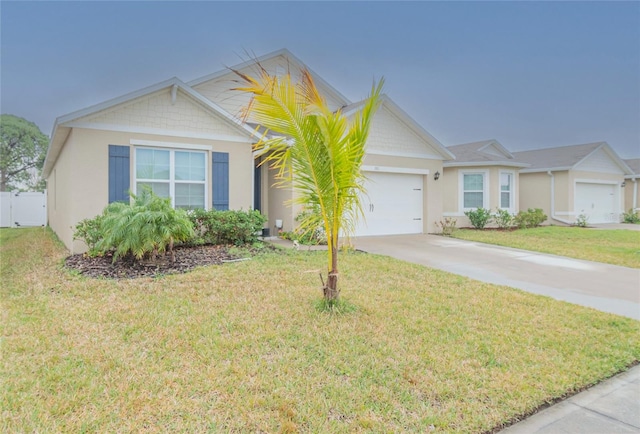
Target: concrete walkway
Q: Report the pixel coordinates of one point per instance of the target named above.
(612, 406)
(605, 287)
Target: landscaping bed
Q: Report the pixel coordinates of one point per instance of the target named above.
(186, 259)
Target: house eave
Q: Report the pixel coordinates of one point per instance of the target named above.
(485, 163)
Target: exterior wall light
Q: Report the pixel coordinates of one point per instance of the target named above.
(624, 183)
(436, 176)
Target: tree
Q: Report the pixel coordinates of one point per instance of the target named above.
(23, 149)
(317, 151)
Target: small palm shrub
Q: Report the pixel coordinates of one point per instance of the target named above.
(503, 218)
(226, 227)
(90, 231)
(630, 216)
(531, 218)
(480, 217)
(143, 229)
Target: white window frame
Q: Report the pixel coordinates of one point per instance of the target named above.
(512, 202)
(172, 181)
(485, 188)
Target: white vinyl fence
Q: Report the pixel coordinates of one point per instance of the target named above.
(23, 209)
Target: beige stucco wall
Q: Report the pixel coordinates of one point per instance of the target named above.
(80, 176)
(452, 206)
(631, 189)
(279, 206)
(535, 192)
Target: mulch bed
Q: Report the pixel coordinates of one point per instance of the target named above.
(187, 258)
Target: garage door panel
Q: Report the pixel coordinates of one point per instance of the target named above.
(597, 201)
(392, 205)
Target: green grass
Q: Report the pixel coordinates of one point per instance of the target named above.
(618, 247)
(243, 348)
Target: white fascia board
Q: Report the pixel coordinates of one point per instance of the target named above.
(547, 169)
(59, 136)
(158, 132)
(389, 169)
(405, 155)
(118, 100)
(485, 163)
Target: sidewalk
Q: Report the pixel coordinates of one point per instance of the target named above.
(612, 406)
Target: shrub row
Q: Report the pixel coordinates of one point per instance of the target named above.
(149, 225)
(531, 218)
(226, 227)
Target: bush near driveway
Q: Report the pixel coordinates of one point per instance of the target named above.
(220, 350)
(618, 247)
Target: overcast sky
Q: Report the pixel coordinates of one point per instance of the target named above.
(530, 74)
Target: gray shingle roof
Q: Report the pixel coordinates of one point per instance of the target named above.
(634, 164)
(562, 157)
(485, 152)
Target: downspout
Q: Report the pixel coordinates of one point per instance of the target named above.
(553, 201)
(635, 193)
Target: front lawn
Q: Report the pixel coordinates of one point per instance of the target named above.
(618, 247)
(240, 348)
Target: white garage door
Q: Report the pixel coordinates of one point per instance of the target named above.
(597, 202)
(393, 204)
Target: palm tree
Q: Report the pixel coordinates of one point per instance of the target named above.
(314, 149)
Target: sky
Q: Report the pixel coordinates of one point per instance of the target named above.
(529, 74)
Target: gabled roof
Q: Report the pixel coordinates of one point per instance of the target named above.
(565, 157)
(634, 165)
(394, 108)
(284, 53)
(63, 124)
(483, 153)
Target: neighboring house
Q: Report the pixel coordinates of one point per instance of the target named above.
(483, 175)
(568, 181)
(631, 188)
(188, 141)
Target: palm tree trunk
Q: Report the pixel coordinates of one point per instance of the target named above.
(330, 290)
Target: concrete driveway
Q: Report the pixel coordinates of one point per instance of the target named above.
(608, 288)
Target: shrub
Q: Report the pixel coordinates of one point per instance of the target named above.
(531, 218)
(226, 227)
(503, 218)
(310, 235)
(630, 216)
(90, 231)
(479, 217)
(447, 225)
(582, 220)
(143, 228)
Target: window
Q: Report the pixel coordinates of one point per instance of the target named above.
(506, 190)
(177, 174)
(473, 190)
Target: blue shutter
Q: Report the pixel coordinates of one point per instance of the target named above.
(119, 173)
(220, 180)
